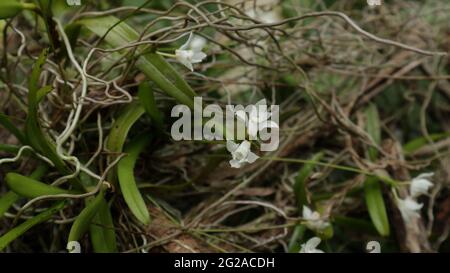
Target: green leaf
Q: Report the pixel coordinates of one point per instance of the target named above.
(6, 122)
(300, 181)
(10, 8)
(101, 230)
(171, 73)
(145, 65)
(119, 131)
(9, 148)
(63, 11)
(118, 33)
(7, 200)
(122, 126)
(297, 236)
(125, 173)
(373, 128)
(375, 205)
(30, 188)
(147, 100)
(72, 31)
(36, 137)
(42, 92)
(372, 186)
(418, 143)
(16, 232)
(83, 220)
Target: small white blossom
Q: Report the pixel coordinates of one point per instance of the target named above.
(420, 185)
(241, 153)
(313, 220)
(409, 208)
(257, 118)
(197, 43)
(191, 52)
(311, 246)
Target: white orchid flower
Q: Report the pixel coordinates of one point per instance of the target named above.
(313, 220)
(311, 246)
(191, 52)
(241, 153)
(420, 185)
(409, 208)
(257, 119)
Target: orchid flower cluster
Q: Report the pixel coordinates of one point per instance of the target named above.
(257, 120)
(410, 207)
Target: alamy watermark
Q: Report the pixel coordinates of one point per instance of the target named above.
(373, 3)
(73, 2)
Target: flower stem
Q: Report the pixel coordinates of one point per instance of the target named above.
(166, 54)
(387, 180)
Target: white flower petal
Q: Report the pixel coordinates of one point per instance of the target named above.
(425, 175)
(420, 185)
(409, 209)
(197, 43)
(198, 57)
(244, 147)
(235, 163)
(311, 246)
(190, 52)
(184, 56)
(188, 42)
(263, 115)
(252, 157)
(231, 146)
(307, 212)
(241, 153)
(187, 64)
(313, 220)
(313, 242)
